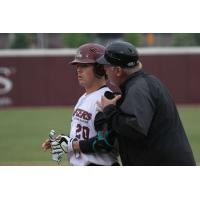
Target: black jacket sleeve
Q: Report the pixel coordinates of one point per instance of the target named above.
(133, 117)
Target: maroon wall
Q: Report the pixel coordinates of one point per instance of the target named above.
(179, 72)
(40, 81)
(49, 80)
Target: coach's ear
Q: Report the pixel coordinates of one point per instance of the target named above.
(119, 71)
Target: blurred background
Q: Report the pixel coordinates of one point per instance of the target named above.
(73, 40)
(38, 88)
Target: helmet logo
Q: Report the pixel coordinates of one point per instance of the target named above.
(93, 50)
(131, 64)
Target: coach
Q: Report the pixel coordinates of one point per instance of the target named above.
(145, 118)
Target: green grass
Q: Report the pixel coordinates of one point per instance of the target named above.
(23, 130)
(190, 117)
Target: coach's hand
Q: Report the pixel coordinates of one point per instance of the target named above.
(105, 102)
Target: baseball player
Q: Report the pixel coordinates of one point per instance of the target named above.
(93, 78)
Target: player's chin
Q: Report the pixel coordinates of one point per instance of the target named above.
(81, 82)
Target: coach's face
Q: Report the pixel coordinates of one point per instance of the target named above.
(86, 75)
(113, 74)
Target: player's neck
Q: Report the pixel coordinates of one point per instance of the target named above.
(95, 86)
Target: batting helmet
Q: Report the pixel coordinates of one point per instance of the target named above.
(88, 54)
(121, 53)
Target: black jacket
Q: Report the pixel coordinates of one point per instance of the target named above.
(147, 124)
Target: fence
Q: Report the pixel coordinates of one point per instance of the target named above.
(44, 77)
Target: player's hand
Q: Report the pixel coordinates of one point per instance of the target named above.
(56, 148)
(105, 102)
(46, 145)
(65, 142)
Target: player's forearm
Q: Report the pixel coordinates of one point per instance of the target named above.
(92, 145)
(86, 146)
(76, 145)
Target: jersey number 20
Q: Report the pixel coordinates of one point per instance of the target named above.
(84, 130)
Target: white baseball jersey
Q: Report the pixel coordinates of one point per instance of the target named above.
(82, 127)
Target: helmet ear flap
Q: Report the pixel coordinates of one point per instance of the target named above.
(99, 70)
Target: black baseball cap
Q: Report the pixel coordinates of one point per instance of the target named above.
(120, 53)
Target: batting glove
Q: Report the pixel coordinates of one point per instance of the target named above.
(66, 143)
(56, 151)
